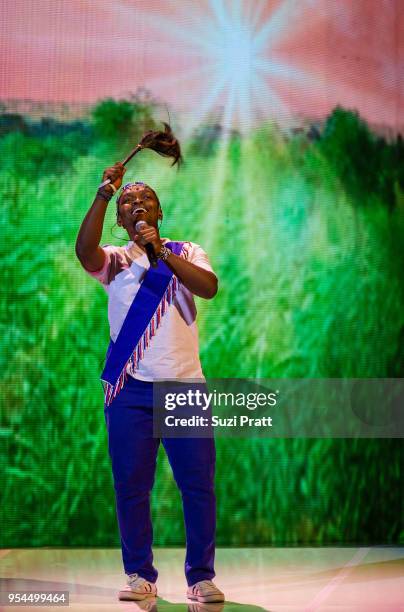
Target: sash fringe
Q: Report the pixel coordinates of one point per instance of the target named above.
(111, 391)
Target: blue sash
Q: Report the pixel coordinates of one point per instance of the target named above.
(142, 320)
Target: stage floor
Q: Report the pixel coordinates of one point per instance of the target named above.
(275, 579)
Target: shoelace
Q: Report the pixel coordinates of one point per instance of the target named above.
(208, 584)
(135, 579)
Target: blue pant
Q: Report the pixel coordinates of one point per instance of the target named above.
(133, 452)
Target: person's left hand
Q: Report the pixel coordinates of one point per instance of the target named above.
(148, 233)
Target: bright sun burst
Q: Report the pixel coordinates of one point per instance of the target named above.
(233, 44)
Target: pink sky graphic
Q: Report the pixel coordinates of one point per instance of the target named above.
(81, 51)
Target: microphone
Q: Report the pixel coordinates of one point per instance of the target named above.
(151, 255)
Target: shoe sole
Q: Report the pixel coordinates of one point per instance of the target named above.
(128, 596)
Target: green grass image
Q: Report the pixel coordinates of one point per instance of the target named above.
(309, 256)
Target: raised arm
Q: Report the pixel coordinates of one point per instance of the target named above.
(88, 248)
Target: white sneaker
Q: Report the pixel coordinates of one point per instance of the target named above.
(137, 588)
(205, 591)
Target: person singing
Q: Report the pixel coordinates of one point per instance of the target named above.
(154, 336)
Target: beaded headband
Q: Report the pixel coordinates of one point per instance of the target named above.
(129, 185)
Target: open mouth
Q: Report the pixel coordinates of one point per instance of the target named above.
(138, 210)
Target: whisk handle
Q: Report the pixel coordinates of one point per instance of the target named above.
(125, 161)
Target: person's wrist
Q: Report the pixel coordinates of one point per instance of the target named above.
(164, 253)
(104, 193)
(111, 188)
(108, 186)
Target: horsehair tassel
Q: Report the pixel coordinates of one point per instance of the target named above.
(163, 143)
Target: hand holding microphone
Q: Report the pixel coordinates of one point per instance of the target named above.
(150, 238)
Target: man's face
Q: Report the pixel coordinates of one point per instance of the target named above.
(138, 203)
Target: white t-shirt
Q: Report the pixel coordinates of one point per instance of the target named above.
(174, 350)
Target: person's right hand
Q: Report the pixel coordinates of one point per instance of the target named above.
(115, 174)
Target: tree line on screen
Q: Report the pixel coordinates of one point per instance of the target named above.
(366, 163)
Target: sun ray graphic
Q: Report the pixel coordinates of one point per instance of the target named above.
(231, 64)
